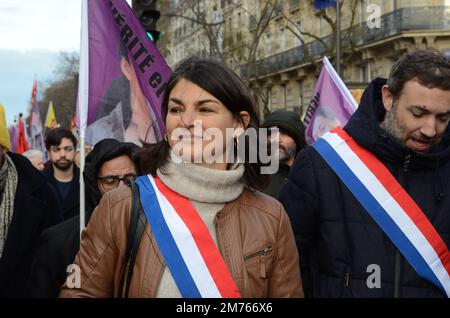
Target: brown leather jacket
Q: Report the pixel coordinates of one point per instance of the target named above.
(246, 227)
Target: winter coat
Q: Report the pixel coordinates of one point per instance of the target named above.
(336, 237)
(253, 234)
(70, 205)
(58, 245)
(35, 209)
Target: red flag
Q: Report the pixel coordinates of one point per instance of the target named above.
(73, 123)
(34, 91)
(22, 144)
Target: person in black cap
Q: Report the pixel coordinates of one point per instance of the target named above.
(291, 140)
(107, 166)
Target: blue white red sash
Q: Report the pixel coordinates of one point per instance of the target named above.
(185, 242)
(389, 205)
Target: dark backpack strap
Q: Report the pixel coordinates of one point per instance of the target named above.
(135, 231)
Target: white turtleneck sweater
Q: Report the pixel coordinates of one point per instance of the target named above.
(208, 190)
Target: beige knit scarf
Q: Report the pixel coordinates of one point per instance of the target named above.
(8, 186)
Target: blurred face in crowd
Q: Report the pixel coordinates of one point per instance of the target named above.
(63, 155)
(38, 162)
(418, 117)
(116, 172)
(87, 149)
(286, 146)
(188, 103)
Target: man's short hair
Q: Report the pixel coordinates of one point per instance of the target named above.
(55, 136)
(429, 67)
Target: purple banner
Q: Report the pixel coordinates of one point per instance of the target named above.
(331, 104)
(36, 122)
(127, 76)
(14, 137)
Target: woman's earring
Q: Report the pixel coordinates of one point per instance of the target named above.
(236, 142)
(165, 138)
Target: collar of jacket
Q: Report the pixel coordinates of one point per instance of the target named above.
(49, 173)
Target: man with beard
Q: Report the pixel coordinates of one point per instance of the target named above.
(369, 204)
(27, 207)
(291, 139)
(61, 172)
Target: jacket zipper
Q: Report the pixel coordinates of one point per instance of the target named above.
(265, 251)
(262, 260)
(346, 280)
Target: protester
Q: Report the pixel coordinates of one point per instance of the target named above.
(290, 138)
(248, 239)
(77, 159)
(27, 206)
(109, 165)
(36, 158)
(350, 197)
(62, 173)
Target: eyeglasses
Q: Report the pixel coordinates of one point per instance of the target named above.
(111, 182)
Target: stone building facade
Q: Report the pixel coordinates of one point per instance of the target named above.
(295, 36)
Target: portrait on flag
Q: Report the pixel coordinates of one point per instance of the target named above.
(331, 104)
(325, 120)
(123, 104)
(124, 112)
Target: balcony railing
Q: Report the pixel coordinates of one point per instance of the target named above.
(393, 23)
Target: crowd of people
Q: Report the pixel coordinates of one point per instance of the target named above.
(362, 212)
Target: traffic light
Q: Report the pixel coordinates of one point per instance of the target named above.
(148, 15)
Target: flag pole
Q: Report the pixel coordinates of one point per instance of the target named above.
(338, 39)
(83, 88)
(82, 187)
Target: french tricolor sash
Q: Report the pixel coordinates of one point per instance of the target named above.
(389, 205)
(185, 242)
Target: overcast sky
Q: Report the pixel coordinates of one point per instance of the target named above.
(32, 32)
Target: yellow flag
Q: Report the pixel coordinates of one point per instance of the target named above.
(50, 120)
(5, 141)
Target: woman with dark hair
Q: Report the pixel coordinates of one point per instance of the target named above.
(108, 165)
(209, 231)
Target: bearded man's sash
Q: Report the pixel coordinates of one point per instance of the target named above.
(390, 206)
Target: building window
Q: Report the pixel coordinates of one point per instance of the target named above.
(297, 33)
(284, 105)
(364, 72)
(256, 11)
(282, 39)
(301, 93)
(362, 11)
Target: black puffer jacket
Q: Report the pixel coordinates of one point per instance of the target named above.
(337, 238)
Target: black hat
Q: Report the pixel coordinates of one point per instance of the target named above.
(290, 122)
